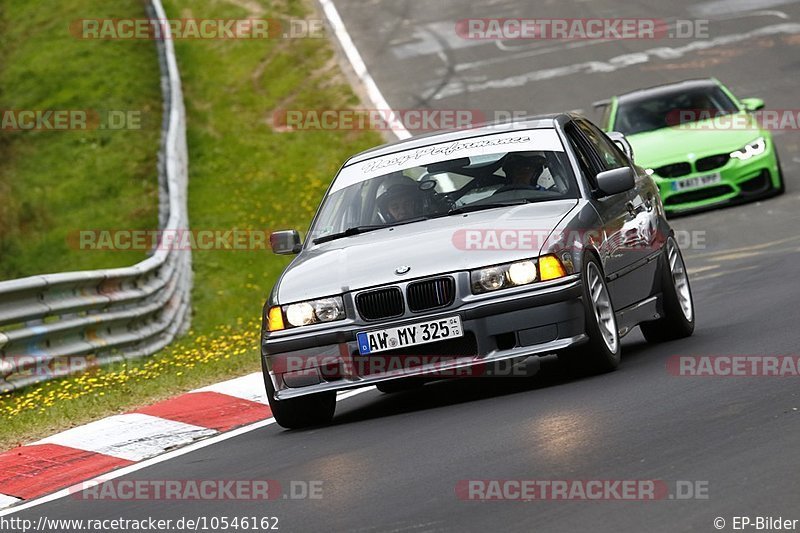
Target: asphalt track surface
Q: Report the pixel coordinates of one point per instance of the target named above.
(392, 462)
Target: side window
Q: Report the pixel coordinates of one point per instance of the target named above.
(584, 159)
(610, 156)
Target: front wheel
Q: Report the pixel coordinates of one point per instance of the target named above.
(294, 413)
(602, 352)
(678, 319)
(781, 188)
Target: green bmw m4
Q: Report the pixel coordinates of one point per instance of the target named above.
(702, 145)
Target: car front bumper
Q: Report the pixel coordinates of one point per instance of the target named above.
(740, 181)
(505, 327)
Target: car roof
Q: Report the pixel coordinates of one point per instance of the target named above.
(526, 123)
(665, 90)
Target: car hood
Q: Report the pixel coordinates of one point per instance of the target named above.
(428, 248)
(672, 145)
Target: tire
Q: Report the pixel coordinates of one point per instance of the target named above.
(679, 316)
(602, 353)
(306, 411)
(780, 189)
(399, 385)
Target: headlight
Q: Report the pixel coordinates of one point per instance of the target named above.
(491, 279)
(757, 147)
(516, 274)
(522, 273)
(300, 314)
(312, 312)
(328, 309)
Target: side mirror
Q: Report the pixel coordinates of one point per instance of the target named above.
(622, 142)
(752, 104)
(615, 181)
(285, 242)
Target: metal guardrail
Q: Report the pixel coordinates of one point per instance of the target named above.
(54, 324)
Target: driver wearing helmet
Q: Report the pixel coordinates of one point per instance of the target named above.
(400, 202)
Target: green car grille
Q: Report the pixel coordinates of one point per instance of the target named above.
(698, 195)
(676, 170)
(711, 162)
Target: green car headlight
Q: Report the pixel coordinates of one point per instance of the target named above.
(751, 149)
(314, 311)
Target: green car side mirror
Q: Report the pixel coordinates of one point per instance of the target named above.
(752, 104)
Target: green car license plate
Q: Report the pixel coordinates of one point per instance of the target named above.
(696, 182)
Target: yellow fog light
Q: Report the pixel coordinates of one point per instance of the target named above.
(275, 322)
(550, 268)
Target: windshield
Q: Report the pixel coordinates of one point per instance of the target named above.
(639, 116)
(364, 199)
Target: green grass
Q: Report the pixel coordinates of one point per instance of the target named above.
(242, 175)
(199, 359)
(55, 183)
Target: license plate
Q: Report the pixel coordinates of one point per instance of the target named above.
(697, 181)
(370, 342)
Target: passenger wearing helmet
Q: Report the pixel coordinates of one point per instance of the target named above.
(400, 202)
(523, 171)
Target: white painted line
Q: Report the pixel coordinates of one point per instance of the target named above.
(132, 436)
(723, 7)
(249, 387)
(725, 273)
(762, 246)
(63, 493)
(5, 501)
(431, 38)
(525, 52)
(697, 270)
(614, 64)
(360, 68)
